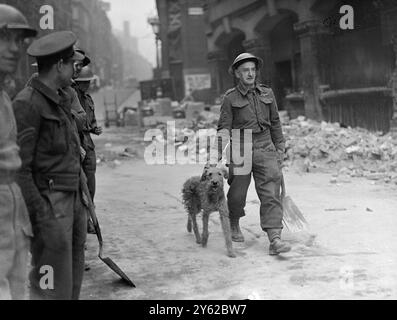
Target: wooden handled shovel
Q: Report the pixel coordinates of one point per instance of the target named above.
(109, 262)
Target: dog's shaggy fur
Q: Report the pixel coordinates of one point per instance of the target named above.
(206, 193)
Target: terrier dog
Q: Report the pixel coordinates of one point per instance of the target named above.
(206, 193)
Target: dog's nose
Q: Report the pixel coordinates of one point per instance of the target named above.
(214, 183)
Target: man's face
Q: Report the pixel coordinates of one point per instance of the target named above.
(11, 43)
(66, 72)
(78, 66)
(246, 73)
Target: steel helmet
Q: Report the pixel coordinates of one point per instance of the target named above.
(85, 75)
(86, 60)
(12, 18)
(244, 57)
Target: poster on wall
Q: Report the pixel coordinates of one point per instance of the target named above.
(195, 82)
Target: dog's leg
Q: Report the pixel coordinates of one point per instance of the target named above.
(225, 222)
(195, 227)
(204, 238)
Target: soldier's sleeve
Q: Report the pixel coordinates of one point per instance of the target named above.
(93, 124)
(28, 124)
(276, 128)
(78, 111)
(223, 133)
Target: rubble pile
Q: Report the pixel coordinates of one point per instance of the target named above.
(207, 119)
(310, 146)
(352, 152)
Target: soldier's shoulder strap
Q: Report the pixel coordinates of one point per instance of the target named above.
(230, 91)
(264, 88)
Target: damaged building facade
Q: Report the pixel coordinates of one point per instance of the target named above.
(184, 47)
(315, 67)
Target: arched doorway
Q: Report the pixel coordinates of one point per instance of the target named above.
(277, 32)
(232, 45)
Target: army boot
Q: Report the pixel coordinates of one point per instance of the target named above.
(237, 235)
(277, 245)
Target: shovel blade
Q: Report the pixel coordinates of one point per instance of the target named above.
(112, 265)
(293, 218)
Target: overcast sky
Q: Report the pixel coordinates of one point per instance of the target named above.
(137, 12)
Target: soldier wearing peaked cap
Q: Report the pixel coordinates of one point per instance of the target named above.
(251, 110)
(51, 165)
(15, 227)
(77, 109)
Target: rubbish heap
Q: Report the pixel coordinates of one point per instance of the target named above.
(349, 152)
(310, 146)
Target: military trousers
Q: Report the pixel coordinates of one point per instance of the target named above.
(15, 234)
(267, 176)
(58, 248)
(89, 168)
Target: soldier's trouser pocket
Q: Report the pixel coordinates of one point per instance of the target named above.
(52, 248)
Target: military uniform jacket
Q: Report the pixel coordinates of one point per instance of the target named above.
(49, 143)
(77, 109)
(254, 109)
(10, 162)
(9, 151)
(91, 124)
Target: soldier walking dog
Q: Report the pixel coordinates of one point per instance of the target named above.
(206, 193)
(251, 108)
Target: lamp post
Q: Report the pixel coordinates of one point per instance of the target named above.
(155, 23)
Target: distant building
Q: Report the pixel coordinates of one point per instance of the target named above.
(184, 46)
(135, 65)
(94, 30)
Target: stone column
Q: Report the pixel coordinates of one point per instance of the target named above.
(311, 36)
(262, 48)
(163, 16)
(217, 61)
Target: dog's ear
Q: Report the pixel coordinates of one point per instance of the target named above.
(224, 170)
